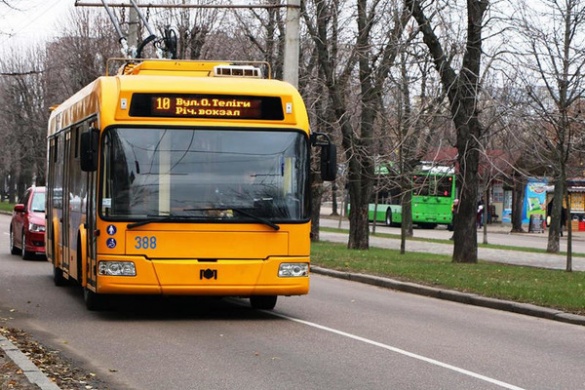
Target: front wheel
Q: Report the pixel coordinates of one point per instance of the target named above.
(93, 301)
(263, 302)
(25, 254)
(58, 278)
(13, 249)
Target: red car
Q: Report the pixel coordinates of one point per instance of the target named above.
(27, 227)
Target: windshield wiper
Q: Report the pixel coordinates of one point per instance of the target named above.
(243, 212)
(256, 218)
(170, 218)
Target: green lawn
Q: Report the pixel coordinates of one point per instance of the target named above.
(6, 207)
(543, 287)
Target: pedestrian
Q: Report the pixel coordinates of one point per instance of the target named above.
(480, 210)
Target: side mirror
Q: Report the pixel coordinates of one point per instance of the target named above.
(328, 155)
(89, 150)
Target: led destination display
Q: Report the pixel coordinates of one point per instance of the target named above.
(206, 106)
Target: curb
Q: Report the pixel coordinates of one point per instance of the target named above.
(32, 372)
(456, 296)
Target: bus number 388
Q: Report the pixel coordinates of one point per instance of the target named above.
(145, 242)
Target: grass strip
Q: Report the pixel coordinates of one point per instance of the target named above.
(6, 207)
(543, 287)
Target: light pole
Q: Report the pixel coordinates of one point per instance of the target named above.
(291, 47)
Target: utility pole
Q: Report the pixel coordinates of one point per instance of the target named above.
(133, 31)
(292, 42)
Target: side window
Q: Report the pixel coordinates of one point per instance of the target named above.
(58, 173)
(38, 202)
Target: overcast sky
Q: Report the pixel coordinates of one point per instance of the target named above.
(32, 21)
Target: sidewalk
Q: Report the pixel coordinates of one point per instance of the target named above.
(33, 375)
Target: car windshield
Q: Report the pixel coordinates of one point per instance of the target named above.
(205, 175)
(38, 202)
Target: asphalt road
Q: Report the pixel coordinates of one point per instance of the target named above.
(343, 335)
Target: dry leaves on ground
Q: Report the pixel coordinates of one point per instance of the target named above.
(56, 367)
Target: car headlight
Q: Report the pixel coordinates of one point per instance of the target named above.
(33, 227)
(288, 270)
(117, 268)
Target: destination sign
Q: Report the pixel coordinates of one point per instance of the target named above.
(206, 106)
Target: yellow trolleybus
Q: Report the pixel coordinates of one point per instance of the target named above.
(182, 178)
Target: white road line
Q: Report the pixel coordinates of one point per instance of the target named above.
(401, 351)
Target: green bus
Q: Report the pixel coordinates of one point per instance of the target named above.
(434, 190)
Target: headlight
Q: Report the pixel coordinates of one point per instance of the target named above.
(117, 268)
(33, 227)
(287, 270)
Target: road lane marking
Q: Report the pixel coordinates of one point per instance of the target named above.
(401, 351)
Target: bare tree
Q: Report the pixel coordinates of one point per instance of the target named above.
(463, 93)
(417, 121)
(23, 120)
(79, 56)
(554, 58)
(265, 30)
(370, 64)
(190, 27)
(42, 77)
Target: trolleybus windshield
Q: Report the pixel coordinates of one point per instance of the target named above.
(219, 175)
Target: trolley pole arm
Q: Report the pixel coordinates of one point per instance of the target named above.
(122, 39)
(152, 35)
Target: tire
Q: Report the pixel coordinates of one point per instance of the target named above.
(25, 254)
(263, 302)
(13, 249)
(388, 217)
(93, 301)
(58, 277)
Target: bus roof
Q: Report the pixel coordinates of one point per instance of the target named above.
(113, 94)
(199, 68)
(436, 169)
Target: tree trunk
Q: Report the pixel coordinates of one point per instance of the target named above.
(12, 190)
(518, 203)
(334, 206)
(465, 226)
(463, 94)
(569, 264)
(557, 220)
(316, 196)
(360, 186)
(406, 202)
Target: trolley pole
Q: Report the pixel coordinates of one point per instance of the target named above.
(292, 43)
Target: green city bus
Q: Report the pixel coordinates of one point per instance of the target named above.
(434, 190)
